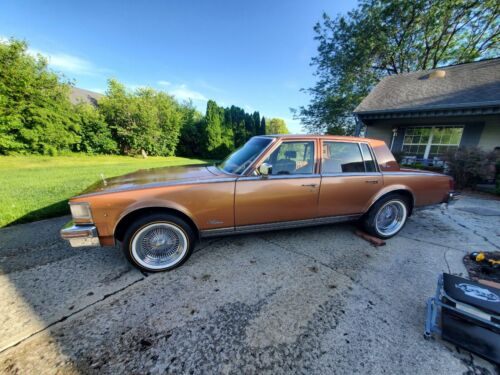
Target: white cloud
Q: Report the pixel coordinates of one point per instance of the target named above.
(185, 93)
(4, 39)
(69, 63)
(164, 83)
(249, 108)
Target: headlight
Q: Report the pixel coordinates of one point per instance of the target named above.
(81, 212)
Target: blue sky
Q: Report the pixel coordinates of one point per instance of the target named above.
(253, 54)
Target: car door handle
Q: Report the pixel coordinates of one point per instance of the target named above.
(310, 185)
(371, 181)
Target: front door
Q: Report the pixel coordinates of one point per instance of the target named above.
(349, 178)
(288, 193)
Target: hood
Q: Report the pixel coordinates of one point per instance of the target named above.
(145, 178)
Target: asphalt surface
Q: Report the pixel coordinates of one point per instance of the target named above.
(313, 301)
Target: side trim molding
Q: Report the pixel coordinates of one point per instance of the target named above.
(277, 226)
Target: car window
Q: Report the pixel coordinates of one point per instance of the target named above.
(342, 157)
(294, 157)
(368, 158)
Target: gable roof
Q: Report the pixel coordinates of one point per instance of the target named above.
(77, 95)
(470, 85)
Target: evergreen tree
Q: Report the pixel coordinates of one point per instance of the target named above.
(213, 129)
(262, 128)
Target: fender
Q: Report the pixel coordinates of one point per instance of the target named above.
(155, 203)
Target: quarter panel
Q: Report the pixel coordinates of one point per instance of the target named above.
(427, 188)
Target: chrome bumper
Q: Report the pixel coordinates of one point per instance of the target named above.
(80, 235)
(452, 197)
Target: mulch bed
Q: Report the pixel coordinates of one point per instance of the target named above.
(482, 270)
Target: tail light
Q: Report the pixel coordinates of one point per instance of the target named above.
(452, 184)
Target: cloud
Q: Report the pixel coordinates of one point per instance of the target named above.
(69, 63)
(184, 93)
(249, 108)
(164, 83)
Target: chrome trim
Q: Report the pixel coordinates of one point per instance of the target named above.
(412, 174)
(348, 174)
(161, 184)
(277, 225)
(80, 235)
(279, 177)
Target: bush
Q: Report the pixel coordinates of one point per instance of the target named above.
(470, 165)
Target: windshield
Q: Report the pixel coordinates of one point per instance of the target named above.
(239, 160)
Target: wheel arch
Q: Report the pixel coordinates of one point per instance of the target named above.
(401, 190)
(133, 215)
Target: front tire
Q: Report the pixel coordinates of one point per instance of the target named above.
(387, 216)
(158, 242)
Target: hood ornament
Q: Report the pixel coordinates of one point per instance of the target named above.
(104, 180)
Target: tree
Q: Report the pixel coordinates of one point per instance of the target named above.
(142, 120)
(276, 126)
(256, 123)
(35, 112)
(262, 127)
(95, 135)
(213, 129)
(387, 37)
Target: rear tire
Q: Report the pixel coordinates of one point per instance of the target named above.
(158, 242)
(387, 216)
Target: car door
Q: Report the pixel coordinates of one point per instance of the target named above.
(349, 178)
(290, 191)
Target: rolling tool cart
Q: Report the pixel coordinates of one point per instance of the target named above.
(467, 314)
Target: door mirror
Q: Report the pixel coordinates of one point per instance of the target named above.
(265, 169)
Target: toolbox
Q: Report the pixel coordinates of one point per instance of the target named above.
(467, 314)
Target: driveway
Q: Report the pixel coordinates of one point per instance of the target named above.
(315, 300)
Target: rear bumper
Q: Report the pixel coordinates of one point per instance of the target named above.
(452, 197)
(80, 235)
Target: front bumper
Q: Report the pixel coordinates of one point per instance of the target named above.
(80, 235)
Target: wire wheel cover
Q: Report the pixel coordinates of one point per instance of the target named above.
(159, 245)
(391, 217)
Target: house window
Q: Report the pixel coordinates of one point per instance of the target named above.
(431, 141)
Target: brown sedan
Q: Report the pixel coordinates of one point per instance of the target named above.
(272, 182)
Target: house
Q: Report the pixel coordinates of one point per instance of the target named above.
(77, 95)
(424, 114)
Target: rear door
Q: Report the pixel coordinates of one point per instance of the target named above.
(349, 178)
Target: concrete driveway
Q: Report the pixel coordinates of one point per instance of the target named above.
(316, 300)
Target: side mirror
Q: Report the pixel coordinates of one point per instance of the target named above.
(265, 169)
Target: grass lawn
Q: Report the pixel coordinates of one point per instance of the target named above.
(37, 187)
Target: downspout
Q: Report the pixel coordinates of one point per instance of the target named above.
(359, 124)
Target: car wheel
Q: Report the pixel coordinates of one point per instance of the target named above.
(387, 216)
(158, 242)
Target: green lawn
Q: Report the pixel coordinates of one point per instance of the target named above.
(38, 187)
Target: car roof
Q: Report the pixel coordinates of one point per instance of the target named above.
(321, 136)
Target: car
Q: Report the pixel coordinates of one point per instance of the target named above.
(271, 182)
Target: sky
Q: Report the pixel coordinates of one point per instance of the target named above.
(253, 54)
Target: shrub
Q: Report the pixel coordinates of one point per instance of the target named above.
(470, 165)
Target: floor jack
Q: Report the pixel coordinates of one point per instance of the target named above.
(467, 314)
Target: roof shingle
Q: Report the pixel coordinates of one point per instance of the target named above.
(474, 84)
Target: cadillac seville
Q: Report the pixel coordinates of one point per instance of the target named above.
(272, 182)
